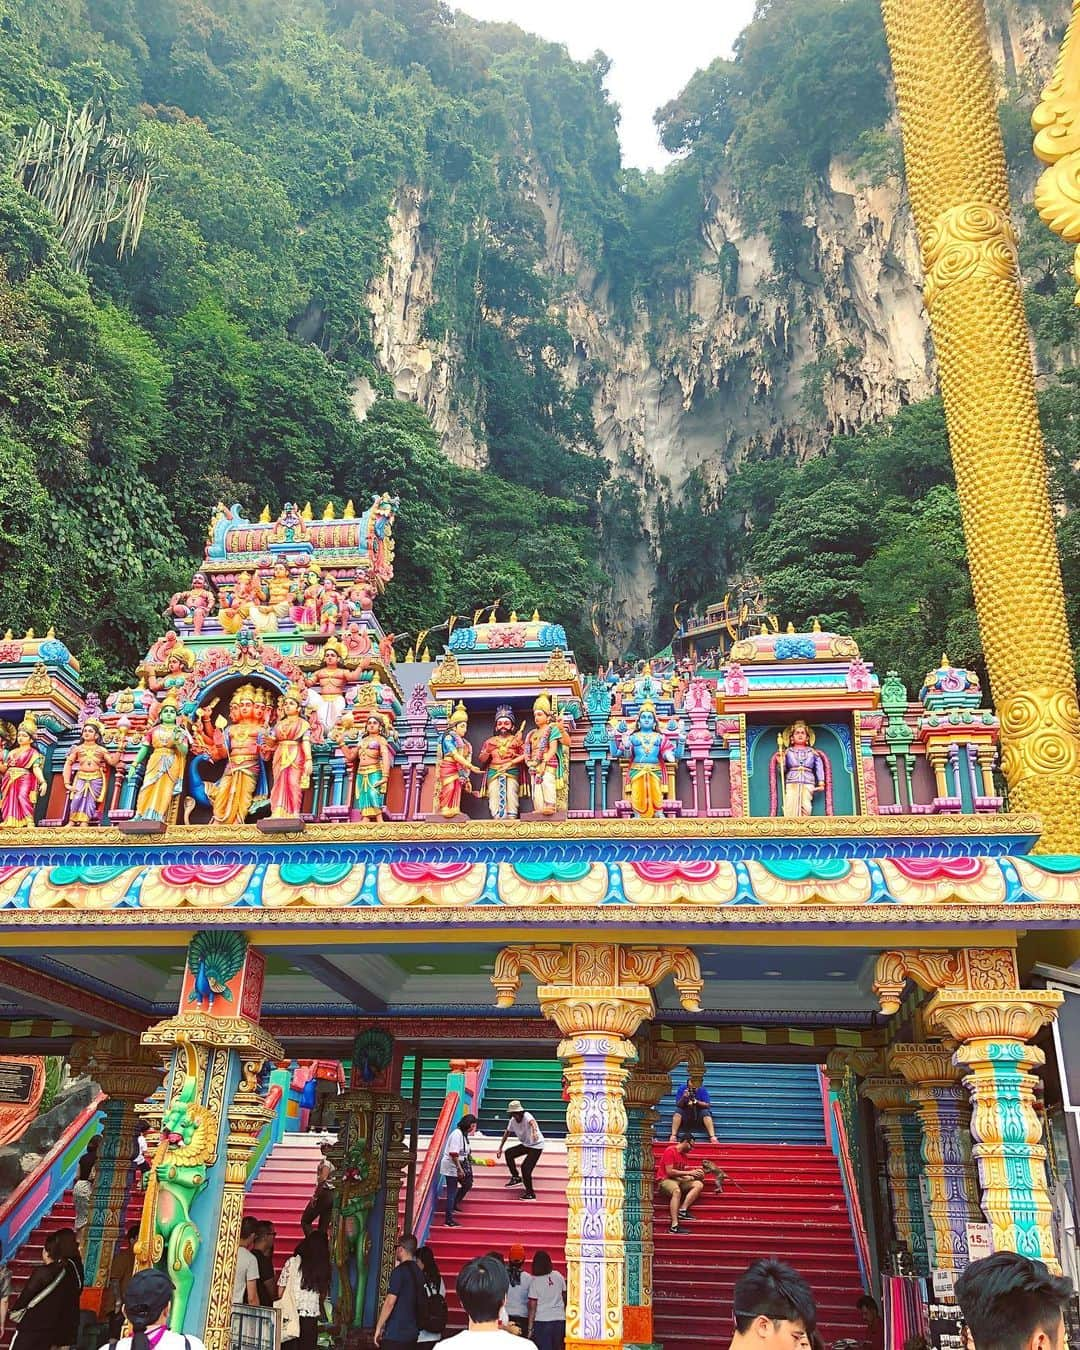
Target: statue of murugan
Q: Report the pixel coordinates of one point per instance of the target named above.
(288, 745)
(86, 775)
(547, 759)
(649, 750)
(23, 778)
(453, 764)
(800, 769)
(372, 756)
(242, 787)
(164, 753)
(501, 756)
(332, 679)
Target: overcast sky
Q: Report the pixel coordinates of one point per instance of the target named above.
(655, 46)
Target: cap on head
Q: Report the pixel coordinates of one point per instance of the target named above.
(147, 1296)
(514, 1107)
(517, 1252)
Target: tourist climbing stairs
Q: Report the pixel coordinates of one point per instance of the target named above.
(283, 1186)
(783, 1198)
(536, 1083)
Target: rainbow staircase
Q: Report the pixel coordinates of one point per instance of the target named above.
(536, 1083)
(763, 1103)
(432, 1089)
(283, 1186)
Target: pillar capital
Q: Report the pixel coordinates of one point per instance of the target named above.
(889, 1096)
(1011, 1015)
(122, 1066)
(924, 1065)
(976, 968)
(859, 1060)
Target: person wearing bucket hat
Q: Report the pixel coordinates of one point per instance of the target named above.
(517, 1296)
(147, 1300)
(530, 1144)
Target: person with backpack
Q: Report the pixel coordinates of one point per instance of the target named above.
(435, 1313)
(517, 1296)
(46, 1312)
(401, 1313)
(147, 1301)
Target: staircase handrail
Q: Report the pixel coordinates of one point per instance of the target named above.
(427, 1184)
(36, 1194)
(482, 1076)
(851, 1191)
(276, 1102)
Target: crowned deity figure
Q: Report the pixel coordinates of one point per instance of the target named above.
(649, 751)
(275, 592)
(547, 759)
(371, 755)
(328, 685)
(799, 769)
(288, 746)
(307, 598)
(501, 757)
(453, 764)
(359, 598)
(241, 788)
(23, 777)
(330, 608)
(178, 664)
(194, 605)
(164, 752)
(86, 774)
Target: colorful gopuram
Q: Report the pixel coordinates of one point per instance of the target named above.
(288, 843)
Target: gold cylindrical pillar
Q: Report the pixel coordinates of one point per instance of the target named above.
(959, 195)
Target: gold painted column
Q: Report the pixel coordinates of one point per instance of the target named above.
(896, 1114)
(957, 183)
(951, 1191)
(598, 995)
(994, 1035)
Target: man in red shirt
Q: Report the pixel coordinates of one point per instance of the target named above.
(679, 1181)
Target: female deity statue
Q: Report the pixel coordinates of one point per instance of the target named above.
(86, 775)
(177, 666)
(453, 764)
(546, 758)
(164, 753)
(289, 747)
(331, 680)
(194, 605)
(242, 786)
(307, 600)
(648, 749)
(799, 769)
(371, 755)
(23, 778)
(501, 756)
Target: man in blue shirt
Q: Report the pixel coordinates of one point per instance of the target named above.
(693, 1111)
(398, 1326)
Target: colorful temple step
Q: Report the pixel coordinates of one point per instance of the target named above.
(432, 1088)
(764, 1103)
(536, 1083)
(780, 1200)
(283, 1187)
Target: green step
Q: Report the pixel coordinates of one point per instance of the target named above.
(432, 1090)
(537, 1083)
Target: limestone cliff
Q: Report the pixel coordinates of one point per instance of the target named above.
(737, 360)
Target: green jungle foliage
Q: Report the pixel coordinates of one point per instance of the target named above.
(219, 360)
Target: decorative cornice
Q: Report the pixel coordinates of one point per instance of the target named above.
(1011, 1015)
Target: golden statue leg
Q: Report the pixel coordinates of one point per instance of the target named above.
(959, 194)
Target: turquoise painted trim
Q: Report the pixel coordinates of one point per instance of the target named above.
(206, 1211)
(274, 1130)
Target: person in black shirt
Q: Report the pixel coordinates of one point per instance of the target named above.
(399, 1318)
(263, 1248)
(320, 1208)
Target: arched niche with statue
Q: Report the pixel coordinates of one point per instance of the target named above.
(767, 746)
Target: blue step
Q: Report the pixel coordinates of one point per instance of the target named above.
(757, 1103)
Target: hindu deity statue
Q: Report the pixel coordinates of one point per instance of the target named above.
(164, 752)
(23, 778)
(178, 664)
(242, 787)
(501, 756)
(649, 751)
(359, 597)
(86, 774)
(194, 605)
(380, 539)
(330, 609)
(328, 685)
(357, 642)
(288, 745)
(276, 592)
(453, 764)
(547, 758)
(800, 769)
(386, 649)
(307, 598)
(372, 756)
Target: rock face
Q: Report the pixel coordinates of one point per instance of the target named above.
(742, 362)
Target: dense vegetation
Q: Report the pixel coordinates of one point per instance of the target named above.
(220, 359)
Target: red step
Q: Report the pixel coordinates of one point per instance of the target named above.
(779, 1200)
(283, 1186)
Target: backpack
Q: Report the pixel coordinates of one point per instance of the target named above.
(432, 1314)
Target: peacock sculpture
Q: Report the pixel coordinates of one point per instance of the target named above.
(214, 958)
(373, 1050)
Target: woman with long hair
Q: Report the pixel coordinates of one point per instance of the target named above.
(306, 1275)
(433, 1285)
(146, 1305)
(455, 1167)
(547, 1305)
(47, 1309)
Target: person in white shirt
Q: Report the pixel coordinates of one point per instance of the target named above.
(482, 1287)
(246, 1272)
(146, 1305)
(517, 1296)
(547, 1304)
(455, 1167)
(529, 1146)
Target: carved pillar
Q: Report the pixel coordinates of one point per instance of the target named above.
(597, 994)
(210, 1118)
(128, 1074)
(950, 1189)
(899, 1126)
(947, 98)
(994, 1035)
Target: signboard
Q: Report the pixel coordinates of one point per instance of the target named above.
(980, 1240)
(17, 1081)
